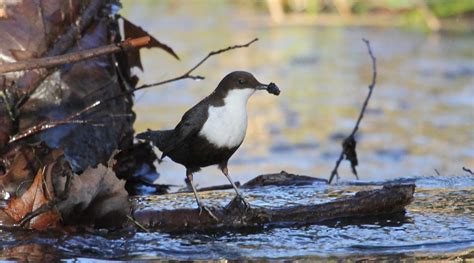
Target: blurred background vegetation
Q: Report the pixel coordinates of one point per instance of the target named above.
(423, 14)
(426, 15)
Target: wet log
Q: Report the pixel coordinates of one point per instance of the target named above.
(282, 179)
(391, 199)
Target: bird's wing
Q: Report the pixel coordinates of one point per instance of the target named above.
(190, 124)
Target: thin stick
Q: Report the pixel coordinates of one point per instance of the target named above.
(49, 62)
(138, 224)
(467, 170)
(361, 114)
(187, 75)
(45, 126)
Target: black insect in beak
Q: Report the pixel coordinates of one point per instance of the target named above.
(271, 88)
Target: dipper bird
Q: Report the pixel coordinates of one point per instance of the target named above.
(212, 130)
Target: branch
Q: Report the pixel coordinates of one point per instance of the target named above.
(365, 204)
(48, 62)
(467, 170)
(46, 125)
(187, 75)
(349, 144)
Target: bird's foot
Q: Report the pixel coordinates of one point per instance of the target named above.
(246, 205)
(239, 203)
(205, 208)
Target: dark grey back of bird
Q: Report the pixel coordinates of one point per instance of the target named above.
(160, 139)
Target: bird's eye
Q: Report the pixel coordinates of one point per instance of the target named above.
(241, 81)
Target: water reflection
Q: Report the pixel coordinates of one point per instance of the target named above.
(31, 252)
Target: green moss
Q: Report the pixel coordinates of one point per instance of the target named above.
(416, 19)
(447, 8)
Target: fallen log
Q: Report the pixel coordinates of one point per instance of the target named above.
(282, 178)
(390, 199)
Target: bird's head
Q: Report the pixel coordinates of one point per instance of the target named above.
(243, 84)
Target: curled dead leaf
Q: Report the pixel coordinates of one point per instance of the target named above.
(349, 148)
(37, 195)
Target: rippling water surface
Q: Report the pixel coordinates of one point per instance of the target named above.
(420, 119)
(438, 224)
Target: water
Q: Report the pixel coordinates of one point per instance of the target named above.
(438, 224)
(420, 119)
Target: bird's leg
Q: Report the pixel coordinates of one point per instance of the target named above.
(202, 207)
(225, 171)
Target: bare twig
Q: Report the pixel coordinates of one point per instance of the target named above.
(45, 126)
(187, 75)
(48, 62)
(467, 170)
(348, 145)
(138, 224)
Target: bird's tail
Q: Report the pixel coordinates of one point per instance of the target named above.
(160, 139)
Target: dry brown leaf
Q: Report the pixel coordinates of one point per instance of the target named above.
(32, 199)
(96, 197)
(5, 219)
(18, 207)
(133, 31)
(22, 163)
(51, 218)
(19, 54)
(4, 137)
(19, 171)
(31, 252)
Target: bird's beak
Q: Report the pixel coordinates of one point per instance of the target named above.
(271, 88)
(261, 86)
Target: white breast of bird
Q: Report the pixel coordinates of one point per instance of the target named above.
(226, 125)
